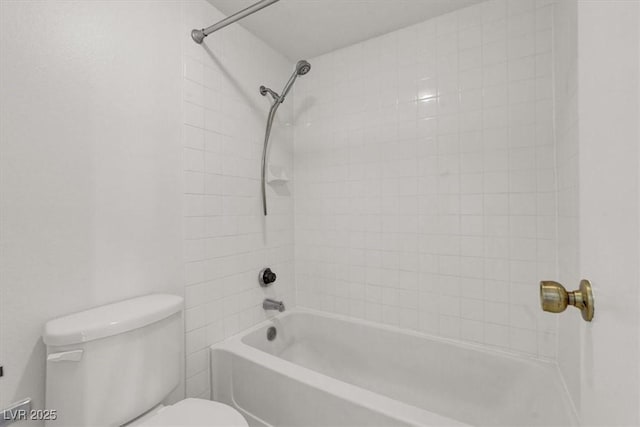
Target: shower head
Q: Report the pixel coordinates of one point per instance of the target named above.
(303, 67)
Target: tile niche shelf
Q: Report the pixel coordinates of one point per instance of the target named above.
(277, 175)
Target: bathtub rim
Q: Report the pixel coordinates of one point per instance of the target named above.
(234, 344)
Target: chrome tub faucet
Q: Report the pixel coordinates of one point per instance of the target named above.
(269, 304)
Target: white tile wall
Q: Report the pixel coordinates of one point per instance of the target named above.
(425, 177)
(227, 239)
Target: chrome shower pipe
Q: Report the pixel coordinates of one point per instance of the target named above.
(199, 35)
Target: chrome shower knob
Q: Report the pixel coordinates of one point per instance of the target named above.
(266, 277)
(554, 298)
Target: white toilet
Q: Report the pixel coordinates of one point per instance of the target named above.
(114, 365)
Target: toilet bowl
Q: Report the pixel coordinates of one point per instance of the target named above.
(194, 412)
(114, 366)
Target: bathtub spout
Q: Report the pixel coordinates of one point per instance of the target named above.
(269, 304)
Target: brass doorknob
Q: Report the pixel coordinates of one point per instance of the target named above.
(554, 298)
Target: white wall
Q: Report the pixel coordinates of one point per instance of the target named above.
(597, 46)
(227, 238)
(565, 61)
(609, 107)
(425, 183)
(90, 156)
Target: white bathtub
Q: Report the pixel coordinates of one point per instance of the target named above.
(326, 370)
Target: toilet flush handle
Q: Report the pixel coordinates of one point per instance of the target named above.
(66, 356)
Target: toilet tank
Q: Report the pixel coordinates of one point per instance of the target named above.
(108, 365)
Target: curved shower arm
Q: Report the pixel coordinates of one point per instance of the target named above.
(265, 90)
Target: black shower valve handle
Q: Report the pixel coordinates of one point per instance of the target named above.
(266, 277)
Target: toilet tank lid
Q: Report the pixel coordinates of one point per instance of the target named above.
(111, 319)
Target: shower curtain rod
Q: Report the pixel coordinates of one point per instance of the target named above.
(199, 35)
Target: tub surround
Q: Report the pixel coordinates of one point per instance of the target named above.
(425, 181)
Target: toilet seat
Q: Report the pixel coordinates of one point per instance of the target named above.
(197, 412)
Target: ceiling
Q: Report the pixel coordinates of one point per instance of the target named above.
(306, 28)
